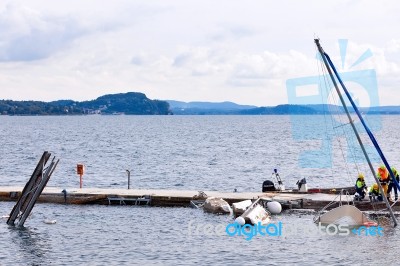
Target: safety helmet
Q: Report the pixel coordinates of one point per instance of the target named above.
(394, 171)
(382, 167)
(375, 186)
(361, 176)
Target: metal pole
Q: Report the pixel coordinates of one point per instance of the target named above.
(129, 178)
(321, 51)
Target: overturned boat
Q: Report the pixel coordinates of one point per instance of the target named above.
(345, 215)
(273, 207)
(254, 214)
(240, 207)
(217, 205)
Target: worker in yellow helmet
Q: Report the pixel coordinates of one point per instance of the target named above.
(374, 193)
(360, 188)
(392, 184)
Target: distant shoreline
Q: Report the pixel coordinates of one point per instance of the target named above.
(107, 115)
(136, 103)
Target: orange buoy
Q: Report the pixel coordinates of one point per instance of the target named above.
(370, 223)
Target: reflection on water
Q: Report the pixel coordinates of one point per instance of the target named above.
(28, 245)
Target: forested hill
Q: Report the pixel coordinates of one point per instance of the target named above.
(131, 103)
(136, 103)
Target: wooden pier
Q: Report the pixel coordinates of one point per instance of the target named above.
(178, 198)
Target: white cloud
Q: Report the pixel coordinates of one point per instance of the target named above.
(231, 32)
(393, 46)
(28, 35)
(209, 51)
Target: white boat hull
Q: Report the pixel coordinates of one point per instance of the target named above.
(240, 207)
(217, 205)
(257, 215)
(346, 215)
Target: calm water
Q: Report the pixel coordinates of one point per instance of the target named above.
(180, 152)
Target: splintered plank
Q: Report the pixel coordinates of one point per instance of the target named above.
(32, 190)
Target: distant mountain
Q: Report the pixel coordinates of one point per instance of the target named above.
(382, 110)
(283, 109)
(229, 108)
(315, 109)
(136, 103)
(63, 102)
(131, 103)
(206, 108)
(326, 108)
(209, 105)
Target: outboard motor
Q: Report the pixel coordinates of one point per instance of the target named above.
(268, 185)
(302, 185)
(280, 185)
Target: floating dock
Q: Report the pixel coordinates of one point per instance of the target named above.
(181, 198)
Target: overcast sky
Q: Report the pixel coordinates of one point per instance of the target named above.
(240, 51)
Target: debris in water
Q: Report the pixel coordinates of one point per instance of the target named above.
(48, 221)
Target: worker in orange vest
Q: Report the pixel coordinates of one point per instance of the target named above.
(383, 176)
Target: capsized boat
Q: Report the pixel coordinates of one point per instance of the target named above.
(217, 205)
(240, 207)
(345, 215)
(254, 214)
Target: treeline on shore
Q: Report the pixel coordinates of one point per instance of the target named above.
(136, 103)
(131, 103)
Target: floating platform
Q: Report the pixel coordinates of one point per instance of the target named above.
(181, 198)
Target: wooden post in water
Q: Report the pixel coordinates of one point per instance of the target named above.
(129, 178)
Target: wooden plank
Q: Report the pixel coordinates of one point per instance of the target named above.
(32, 190)
(43, 181)
(28, 190)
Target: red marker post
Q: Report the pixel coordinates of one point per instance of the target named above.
(80, 169)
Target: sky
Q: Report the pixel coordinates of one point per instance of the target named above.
(239, 51)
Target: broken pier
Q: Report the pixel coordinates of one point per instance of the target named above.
(178, 198)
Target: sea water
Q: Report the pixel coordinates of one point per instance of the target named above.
(220, 153)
